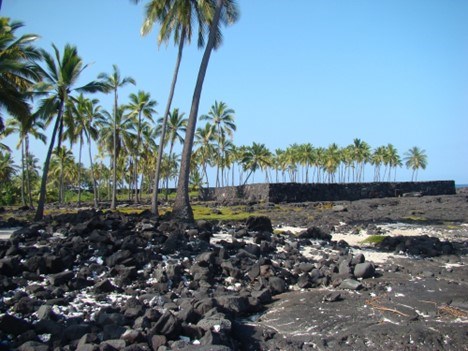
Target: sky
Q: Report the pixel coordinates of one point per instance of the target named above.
(298, 71)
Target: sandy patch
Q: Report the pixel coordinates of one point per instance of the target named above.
(5, 233)
(356, 241)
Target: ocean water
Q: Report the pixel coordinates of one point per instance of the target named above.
(461, 186)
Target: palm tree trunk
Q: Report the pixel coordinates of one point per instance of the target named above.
(154, 198)
(248, 176)
(79, 171)
(93, 176)
(28, 177)
(182, 208)
(114, 171)
(61, 180)
(40, 205)
(23, 198)
(136, 158)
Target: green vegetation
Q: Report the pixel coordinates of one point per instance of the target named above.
(374, 239)
(415, 219)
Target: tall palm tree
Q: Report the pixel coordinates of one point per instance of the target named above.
(116, 137)
(361, 155)
(141, 105)
(279, 164)
(378, 159)
(83, 115)
(112, 83)
(332, 161)
(348, 162)
(60, 73)
(225, 11)
(306, 154)
(26, 126)
(223, 158)
(176, 126)
(177, 18)
(63, 167)
(221, 117)
(393, 160)
(17, 70)
(415, 158)
(147, 160)
(204, 140)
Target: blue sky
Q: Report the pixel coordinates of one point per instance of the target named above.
(318, 71)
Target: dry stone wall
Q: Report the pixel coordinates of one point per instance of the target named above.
(295, 192)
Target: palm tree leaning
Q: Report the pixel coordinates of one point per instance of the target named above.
(415, 159)
(17, 69)
(60, 74)
(176, 18)
(112, 82)
(226, 12)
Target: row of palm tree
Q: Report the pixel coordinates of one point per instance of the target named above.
(233, 165)
(126, 134)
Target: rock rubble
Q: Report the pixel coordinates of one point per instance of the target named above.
(107, 281)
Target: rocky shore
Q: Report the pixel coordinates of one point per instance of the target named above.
(296, 279)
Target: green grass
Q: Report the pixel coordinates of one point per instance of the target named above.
(374, 239)
(235, 213)
(415, 219)
(200, 211)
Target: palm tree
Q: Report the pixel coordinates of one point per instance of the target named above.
(84, 114)
(256, 156)
(306, 154)
(7, 167)
(116, 136)
(361, 155)
(62, 166)
(177, 19)
(393, 160)
(332, 161)
(377, 159)
(223, 158)
(204, 139)
(225, 12)
(221, 118)
(147, 160)
(112, 83)
(141, 105)
(25, 127)
(279, 164)
(416, 158)
(17, 70)
(176, 125)
(60, 73)
(8, 170)
(348, 162)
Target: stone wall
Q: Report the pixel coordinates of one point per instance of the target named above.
(295, 192)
